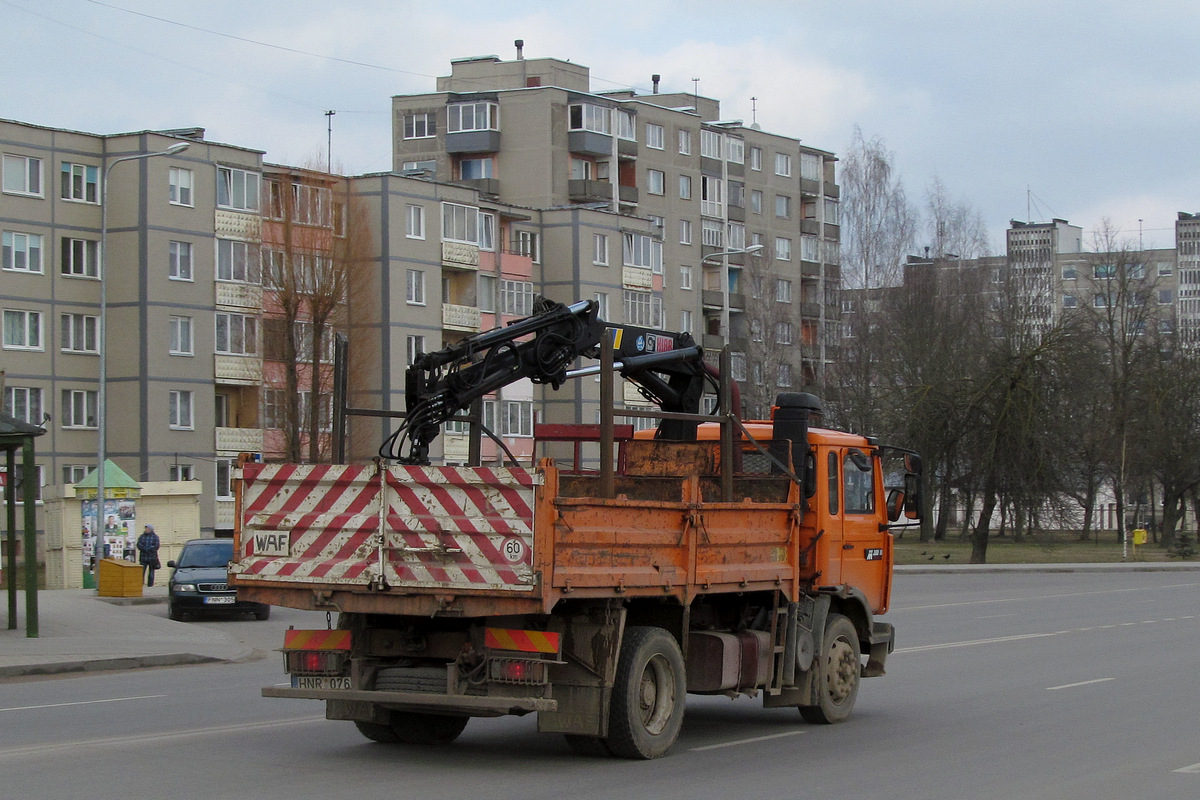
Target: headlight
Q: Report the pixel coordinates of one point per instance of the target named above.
(185, 587)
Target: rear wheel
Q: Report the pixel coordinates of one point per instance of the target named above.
(839, 669)
(648, 695)
(376, 732)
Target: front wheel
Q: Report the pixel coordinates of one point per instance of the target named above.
(839, 669)
(648, 695)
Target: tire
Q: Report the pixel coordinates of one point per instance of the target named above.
(839, 671)
(412, 727)
(648, 695)
(376, 732)
(264, 614)
(174, 613)
(593, 746)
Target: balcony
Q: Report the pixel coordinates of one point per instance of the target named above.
(238, 295)
(712, 298)
(637, 278)
(811, 227)
(239, 440)
(459, 255)
(628, 194)
(736, 213)
(587, 191)
(238, 370)
(473, 142)
(810, 269)
(589, 143)
(456, 448)
(809, 186)
(485, 186)
(460, 318)
(237, 225)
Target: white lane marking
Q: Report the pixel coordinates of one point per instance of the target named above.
(84, 702)
(1023, 598)
(143, 738)
(746, 741)
(996, 616)
(950, 645)
(1194, 769)
(1081, 683)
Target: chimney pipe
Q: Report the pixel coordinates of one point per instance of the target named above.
(520, 43)
(655, 78)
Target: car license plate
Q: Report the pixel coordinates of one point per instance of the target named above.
(320, 682)
(221, 600)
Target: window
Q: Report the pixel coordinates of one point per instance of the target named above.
(79, 333)
(464, 117)
(312, 205)
(224, 488)
(424, 168)
(460, 223)
(710, 144)
(737, 236)
(414, 346)
(487, 293)
(23, 175)
(601, 299)
(80, 258)
(654, 136)
(1165, 269)
(638, 310)
(656, 181)
(237, 334)
(737, 150)
(516, 298)
(470, 169)
(78, 408)
(74, 473)
(1135, 272)
(1165, 297)
(858, 486)
(783, 248)
(625, 125)
(23, 252)
(24, 403)
(422, 125)
(783, 165)
(179, 410)
(487, 231)
(712, 196)
(685, 143)
(810, 166)
(582, 169)
(237, 261)
(809, 248)
(1104, 271)
(181, 472)
(783, 333)
(180, 336)
(80, 182)
(783, 290)
(783, 206)
(22, 330)
(237, 189)
(516, 418)
(756, 328)
(181, 261)
(639, 250)
(712, 233)
(586, 117)
(19, 483)
(833, 212)
(1068, 272)
(756, 158)
(529, 244)
(600, 249)
(180, 181)
(685, 321)
(415, 287)
(784, 376)
(685, 277)
(1101, 301)
(414, 222)
(756, 197)
(685, 187)
(685, 231)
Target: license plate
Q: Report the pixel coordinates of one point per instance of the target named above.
(320, 682)
(221, 600)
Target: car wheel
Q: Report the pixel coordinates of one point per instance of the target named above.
(264, 614)
(174, 613)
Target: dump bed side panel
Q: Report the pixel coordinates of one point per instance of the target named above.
(399, 528)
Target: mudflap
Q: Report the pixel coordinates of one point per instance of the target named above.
(882, 642)
(582, 685)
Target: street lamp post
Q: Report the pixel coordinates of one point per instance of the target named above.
(724, 256)
(102, 349)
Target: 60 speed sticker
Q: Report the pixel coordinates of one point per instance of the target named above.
(514, 550)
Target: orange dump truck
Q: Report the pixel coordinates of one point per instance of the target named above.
(596, 600)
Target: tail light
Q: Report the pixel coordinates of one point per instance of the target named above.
(315, 662)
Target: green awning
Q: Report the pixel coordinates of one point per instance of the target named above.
(117, 483)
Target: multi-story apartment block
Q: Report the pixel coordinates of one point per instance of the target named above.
(648, 203)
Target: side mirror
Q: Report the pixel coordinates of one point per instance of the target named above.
(912, 495)
(810, 475)
(171, 564)
(897, 504)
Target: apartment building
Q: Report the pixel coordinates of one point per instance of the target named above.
(648, 203)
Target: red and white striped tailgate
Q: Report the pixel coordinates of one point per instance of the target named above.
(443, 527)
(460, 527)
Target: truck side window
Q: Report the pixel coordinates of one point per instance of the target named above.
(859, 487)
(833, 483)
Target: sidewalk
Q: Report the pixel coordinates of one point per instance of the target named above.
(82, 632)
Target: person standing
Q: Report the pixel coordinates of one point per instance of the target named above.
(147, 547)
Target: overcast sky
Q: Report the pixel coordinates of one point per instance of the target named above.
(1090, 109)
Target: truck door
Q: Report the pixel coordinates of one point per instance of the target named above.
(829, 547)
(865, 552)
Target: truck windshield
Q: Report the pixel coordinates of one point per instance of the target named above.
(208, 554)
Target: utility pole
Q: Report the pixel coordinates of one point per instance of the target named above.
(329, 140)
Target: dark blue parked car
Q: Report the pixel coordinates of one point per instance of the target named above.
(199, 582)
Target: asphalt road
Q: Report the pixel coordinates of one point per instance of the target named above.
(1010, 686)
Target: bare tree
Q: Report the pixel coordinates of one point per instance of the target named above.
(775, 334)
(956, 229)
